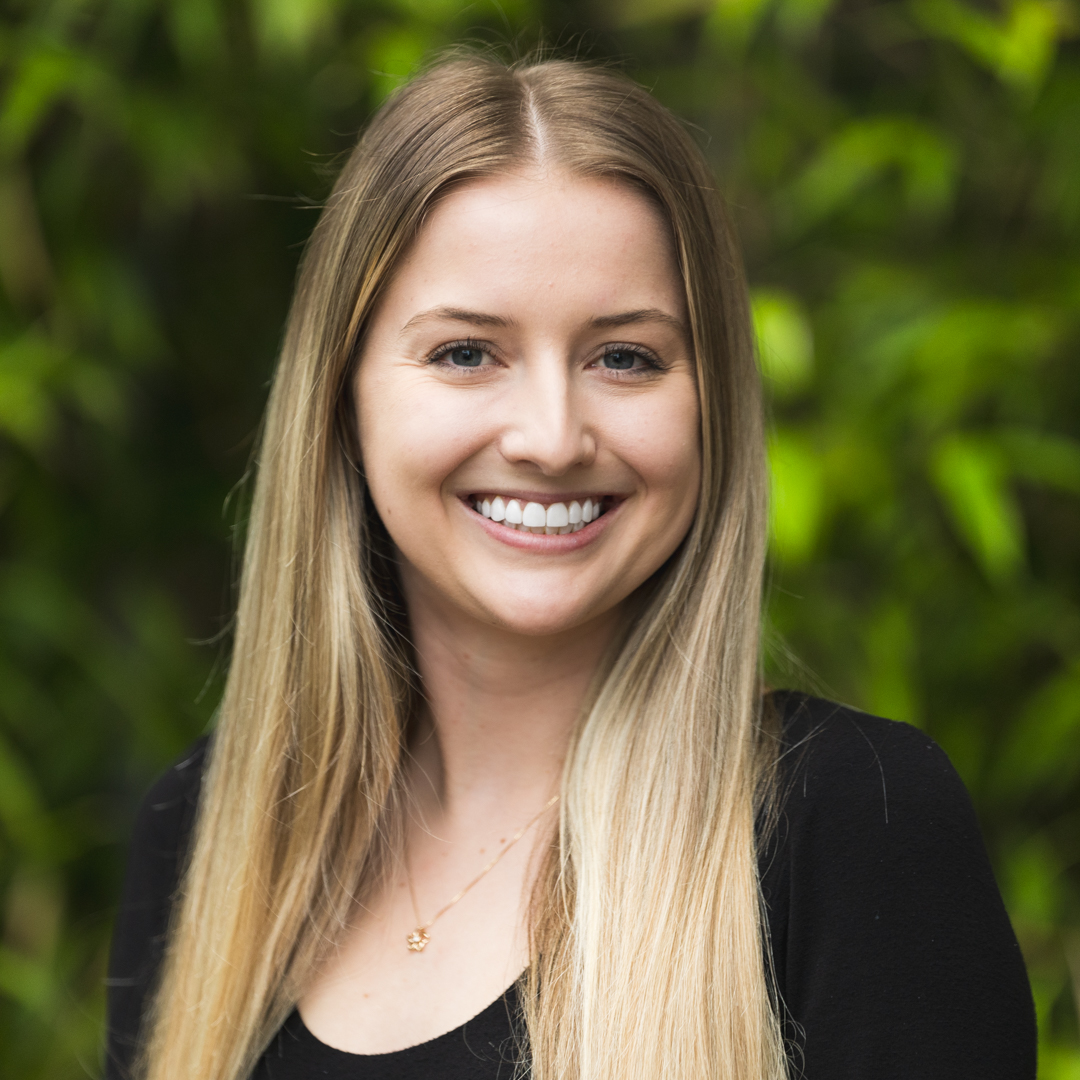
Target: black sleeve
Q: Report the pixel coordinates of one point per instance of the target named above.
(894, 955)
(158, 846)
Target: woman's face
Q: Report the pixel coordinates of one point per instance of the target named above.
(528, 411)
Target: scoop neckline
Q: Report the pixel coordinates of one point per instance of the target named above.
(304, 1034)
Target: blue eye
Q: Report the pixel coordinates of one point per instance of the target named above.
(465, 356)
(619, 360)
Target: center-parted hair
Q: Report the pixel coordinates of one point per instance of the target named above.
(648, 956)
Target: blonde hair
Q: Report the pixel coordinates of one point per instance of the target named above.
(648, 952)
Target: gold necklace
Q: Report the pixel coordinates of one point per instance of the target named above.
(419, 938)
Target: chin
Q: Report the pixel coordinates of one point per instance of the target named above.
(532, 619)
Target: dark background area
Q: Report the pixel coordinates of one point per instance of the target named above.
(905, 177)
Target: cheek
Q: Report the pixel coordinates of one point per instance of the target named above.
(662, 442)
(409, 441)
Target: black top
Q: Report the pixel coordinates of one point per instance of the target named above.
(893, 953)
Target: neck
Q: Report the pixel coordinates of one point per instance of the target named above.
(500, 708)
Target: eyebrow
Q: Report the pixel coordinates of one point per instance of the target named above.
(474, 318)
(627, 318)
(601, 322)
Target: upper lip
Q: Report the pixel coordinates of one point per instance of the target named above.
(544, 497)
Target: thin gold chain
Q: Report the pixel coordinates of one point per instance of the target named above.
(420, 937)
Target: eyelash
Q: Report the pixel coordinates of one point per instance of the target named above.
(650, 361)
(464, 343)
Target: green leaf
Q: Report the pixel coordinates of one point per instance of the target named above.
(891, 655)
(1053, 460)
(785, 341)
(39, 81)
(971, 479)
(288, 28)
(29, 982)
(22, 814)
(394, 54)
(797, 498)
(733, 22)
(1018, 50)
(862, 152)
(198, 31)
(801, 18)
(1033, 883)
(28, 367)
(1044, 749)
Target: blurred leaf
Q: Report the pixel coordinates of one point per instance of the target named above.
(23, 817)
(797, 499)
(338, 85)
(393, 54)
(113, 306)
(801, 18)
(39, 80)
(631, 13)
(34, 911)
(970, 476)
(1018, 50)
(1033, 883)
(25, 267)
(26, 981)
(862, 152)
(199, 31)
(785, 341)
(288, 27)
(890, 646)
(1059, 1063)
(732, 22)
(1044, 750)
(1053, 460)
(971, 348)
(27, 367)
(189, 155)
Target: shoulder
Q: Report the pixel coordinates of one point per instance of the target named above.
(163, 826)
(159, 843)
(865, 806)
(170, 805)
(893, 952)
(849, 765)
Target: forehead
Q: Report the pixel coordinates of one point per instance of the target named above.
(537, 237)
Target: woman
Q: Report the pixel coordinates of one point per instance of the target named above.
(494, 786)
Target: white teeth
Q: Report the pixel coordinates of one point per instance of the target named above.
(558, 519)
(557, 516)
(533, 515)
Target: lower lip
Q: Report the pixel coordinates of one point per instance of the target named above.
(543, 544)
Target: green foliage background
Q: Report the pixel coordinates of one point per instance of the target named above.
(905, 176)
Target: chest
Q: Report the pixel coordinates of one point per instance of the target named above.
(375, 995)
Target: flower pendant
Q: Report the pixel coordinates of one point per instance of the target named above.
(417, 939)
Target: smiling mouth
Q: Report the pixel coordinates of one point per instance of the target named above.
(544, 519)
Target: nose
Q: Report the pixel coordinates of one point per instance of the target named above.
(546, 426)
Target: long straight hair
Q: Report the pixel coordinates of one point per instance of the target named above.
(648, 954)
